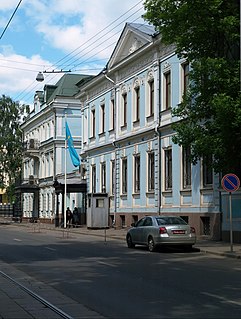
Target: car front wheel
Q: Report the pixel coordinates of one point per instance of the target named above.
(151, 244)
(129, 242)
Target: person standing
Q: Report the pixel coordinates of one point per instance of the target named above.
(69, 216)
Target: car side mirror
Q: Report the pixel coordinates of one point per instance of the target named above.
(133, 224)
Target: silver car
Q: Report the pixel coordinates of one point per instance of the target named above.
(154, 231)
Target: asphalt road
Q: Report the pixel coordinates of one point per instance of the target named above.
(118, 282)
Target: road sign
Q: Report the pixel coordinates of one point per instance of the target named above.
(230, 182)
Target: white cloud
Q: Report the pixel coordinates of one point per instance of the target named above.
(18, 73)
(73, 27)
(89, 18)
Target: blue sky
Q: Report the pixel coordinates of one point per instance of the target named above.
(79, 35)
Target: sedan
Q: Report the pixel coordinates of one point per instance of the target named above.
(154, 231)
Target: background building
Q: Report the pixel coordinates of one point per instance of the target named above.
(44, 149)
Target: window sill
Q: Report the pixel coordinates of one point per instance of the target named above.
(187, 191)
(150, 117)
(167, 192)
(151, 192)
(123, 195)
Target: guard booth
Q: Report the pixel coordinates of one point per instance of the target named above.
(98, 210)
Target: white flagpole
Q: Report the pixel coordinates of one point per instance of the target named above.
(65, 176)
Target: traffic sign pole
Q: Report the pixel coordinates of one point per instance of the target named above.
(230, 183)
(231, 221)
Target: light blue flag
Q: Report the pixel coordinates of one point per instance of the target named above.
(72, 151)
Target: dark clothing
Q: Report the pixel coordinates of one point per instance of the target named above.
(75, 216)
(69, 216)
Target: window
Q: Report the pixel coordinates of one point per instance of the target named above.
(113, 177)
(112, 115)
(185, 77)
(92, 123)
(167, 90)
(93, 180)
(151, 98)
(207, 171)
(137, 172)
(186, 167)
(103, 177)
(124, 176)
(124, 110)
(151, 171)
(168, 169)
(137, 104)
(102, 118)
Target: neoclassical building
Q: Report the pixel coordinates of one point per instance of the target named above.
(44, 151)
(127, 133)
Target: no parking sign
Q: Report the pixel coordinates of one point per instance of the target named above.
(230, 182)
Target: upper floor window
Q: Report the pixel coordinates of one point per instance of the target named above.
(92, 133)
(112, 115)
(102, 118)
(168, 168)
(185, 77)
(151, 97)
(187, 167)
(207, 171)
(167, 90)
(124, 110)
(137, 105)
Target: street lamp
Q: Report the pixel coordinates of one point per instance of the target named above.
(40, 76)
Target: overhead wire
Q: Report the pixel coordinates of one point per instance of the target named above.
(5, 29)
(71, 61)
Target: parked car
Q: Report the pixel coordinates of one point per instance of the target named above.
(154, 231)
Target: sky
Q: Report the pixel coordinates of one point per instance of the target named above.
(53, 35)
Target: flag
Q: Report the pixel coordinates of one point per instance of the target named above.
(72, 151)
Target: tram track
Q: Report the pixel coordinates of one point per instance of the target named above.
(37, 297)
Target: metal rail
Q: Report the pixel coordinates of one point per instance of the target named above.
(37, 297)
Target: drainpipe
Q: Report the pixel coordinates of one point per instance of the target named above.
(158, 134)
(114, 144)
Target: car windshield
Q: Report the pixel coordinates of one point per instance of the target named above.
(170, 221)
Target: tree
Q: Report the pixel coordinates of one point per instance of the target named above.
(207, 34)
(11, 150)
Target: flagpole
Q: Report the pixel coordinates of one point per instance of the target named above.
(65, 175)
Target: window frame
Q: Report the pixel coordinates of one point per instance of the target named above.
(124, 175)
(167, 90)
(168, 168)
(186, 168)
(151, 171)
(137, 173)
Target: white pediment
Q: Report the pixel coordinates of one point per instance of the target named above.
(131, 40)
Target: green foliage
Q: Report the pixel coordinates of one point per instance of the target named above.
(207, 34)
(11, 114)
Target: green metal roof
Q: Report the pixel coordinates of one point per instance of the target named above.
(66, 86)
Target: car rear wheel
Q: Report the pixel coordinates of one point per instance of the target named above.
(151, 244)
(129, 242)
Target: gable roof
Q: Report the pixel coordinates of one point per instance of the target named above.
(133, 37)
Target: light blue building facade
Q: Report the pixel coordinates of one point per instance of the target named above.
(127, 145)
